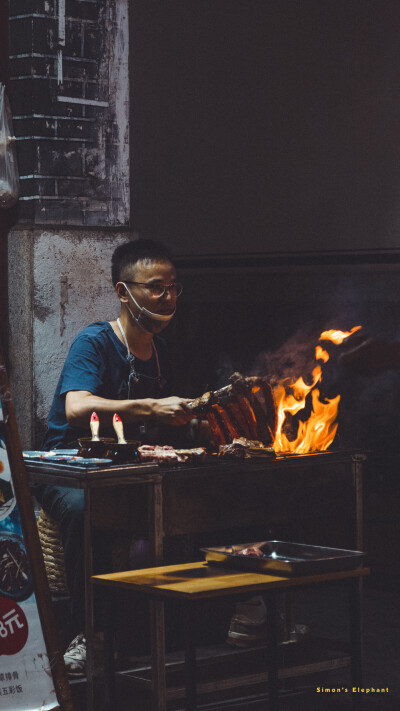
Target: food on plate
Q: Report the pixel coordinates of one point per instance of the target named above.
(235, 450)
(253, 551)
(242, 448)
(166, 454)
(244, 408)
(198, 454)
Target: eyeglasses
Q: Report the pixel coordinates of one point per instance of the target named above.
(158, 290)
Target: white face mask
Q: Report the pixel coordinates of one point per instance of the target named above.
(145, 317)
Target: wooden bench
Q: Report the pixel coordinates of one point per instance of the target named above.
(194, 582)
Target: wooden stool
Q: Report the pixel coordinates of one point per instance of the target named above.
(193, 582)
(53, 554)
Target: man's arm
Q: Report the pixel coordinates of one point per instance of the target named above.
(79, 405)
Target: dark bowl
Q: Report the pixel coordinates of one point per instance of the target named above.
(91, 448)
(16, 579)
(124, 453)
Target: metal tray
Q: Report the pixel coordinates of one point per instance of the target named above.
(284, 558)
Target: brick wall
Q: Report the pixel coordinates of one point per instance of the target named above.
(69, 92)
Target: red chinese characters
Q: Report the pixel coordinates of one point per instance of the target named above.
(13, 627)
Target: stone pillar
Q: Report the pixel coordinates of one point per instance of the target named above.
(60, 281)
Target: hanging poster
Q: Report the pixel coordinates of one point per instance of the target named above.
(26, 682)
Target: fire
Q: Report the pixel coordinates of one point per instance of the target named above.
(321, 354)
(337, 337)
(318, 432)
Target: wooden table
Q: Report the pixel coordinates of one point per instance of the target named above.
(193, 582)
(104, 480)
(320, 493)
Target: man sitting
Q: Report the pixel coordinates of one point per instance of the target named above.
(118, 366)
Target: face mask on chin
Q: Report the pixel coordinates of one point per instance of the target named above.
(147, 320)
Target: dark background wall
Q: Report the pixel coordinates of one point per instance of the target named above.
(264, 127)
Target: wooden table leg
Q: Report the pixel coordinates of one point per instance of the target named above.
(155, 522)
(272, 633)
(157, 643)
(356, 635)
(357, 467)
(89, 623)
(108, 609)
(157, 617)
(190, 657)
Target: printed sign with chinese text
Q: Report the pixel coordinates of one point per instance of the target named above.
(26, 682)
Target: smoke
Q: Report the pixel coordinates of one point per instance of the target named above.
(225, 370)
(295, 358)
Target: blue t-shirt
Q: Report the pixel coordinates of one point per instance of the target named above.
(97, 362)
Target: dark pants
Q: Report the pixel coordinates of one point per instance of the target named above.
(66, 506)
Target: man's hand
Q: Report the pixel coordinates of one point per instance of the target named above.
(171, 410)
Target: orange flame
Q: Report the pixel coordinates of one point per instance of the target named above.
(337, 337)
(318, 432)
(321, 354)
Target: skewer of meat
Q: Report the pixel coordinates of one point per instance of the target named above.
(221, 423)
(244, 407)
(238, 419)
(249, 415)
(270, 408)
(225, 417)
(215, 428)
(263, 428)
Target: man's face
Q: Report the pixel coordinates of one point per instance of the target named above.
(144, 281)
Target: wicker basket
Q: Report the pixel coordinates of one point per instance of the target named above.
(53, 554)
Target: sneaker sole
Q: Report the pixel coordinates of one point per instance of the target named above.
(236, 642)
(76, 675)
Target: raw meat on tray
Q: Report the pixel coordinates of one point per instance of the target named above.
(168, 455)
(253, 551)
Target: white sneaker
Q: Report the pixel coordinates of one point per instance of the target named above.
(252, 610)
(75, 657)
(248, 625)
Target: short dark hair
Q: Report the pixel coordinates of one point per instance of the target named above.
(127, 254)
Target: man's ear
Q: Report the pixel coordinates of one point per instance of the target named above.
(121, 291)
